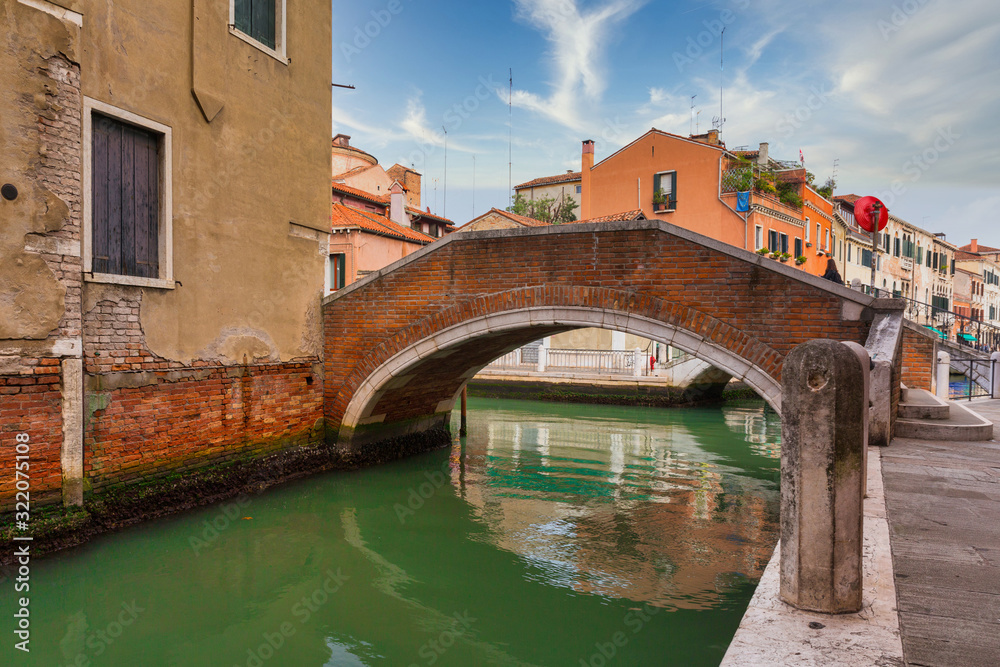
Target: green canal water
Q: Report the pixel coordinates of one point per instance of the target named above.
(553, 535)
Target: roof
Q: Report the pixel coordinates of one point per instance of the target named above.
(521, 220)
(980, 249)
(962, 255)
(551, 180)
(347, 217)
(847, 199)
(359, 194)
(721, 148)
(624, 216)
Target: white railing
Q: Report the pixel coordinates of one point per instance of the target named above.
(607, 362)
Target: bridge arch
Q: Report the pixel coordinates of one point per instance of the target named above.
(501, 332)
(401, 343)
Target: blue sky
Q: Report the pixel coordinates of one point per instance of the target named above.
(905, 94)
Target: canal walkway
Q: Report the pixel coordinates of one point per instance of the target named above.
(943, 506)
(931, 568)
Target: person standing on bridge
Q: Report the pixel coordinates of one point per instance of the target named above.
(831, 272)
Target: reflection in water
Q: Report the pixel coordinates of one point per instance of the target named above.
(636, 511)
(533, 542)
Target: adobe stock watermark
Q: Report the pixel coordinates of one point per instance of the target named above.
(104, 638)
(699, 45)
(214, 527)
(419, 495)
(370, 31)
(607, 651)
(919, 164)
(454, 118)
(432, 650)
(900, 16)
(302, 611)
(794, 120)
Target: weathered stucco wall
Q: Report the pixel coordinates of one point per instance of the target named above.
(249, 183)
(245, 285)
(41, 225)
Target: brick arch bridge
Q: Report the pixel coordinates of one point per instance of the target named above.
(401, 343)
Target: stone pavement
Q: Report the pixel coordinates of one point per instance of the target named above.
(943, 507)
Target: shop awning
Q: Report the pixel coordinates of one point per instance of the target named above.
(939, 333)
(964, 336)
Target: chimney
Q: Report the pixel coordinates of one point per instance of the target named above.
(974, 246)
(587, 163)
(342, 140)
(762, 156)
(397, 205)
(713, 137)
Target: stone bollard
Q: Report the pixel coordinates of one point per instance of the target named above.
(822, 420)
(995, 368)
(638, 362)
(943, 375)
(867, 368)
(541, 359)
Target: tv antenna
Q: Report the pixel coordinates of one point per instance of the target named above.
(445, 214)
(692, 113)
(510, 139)
(717, 123)
(836, 168)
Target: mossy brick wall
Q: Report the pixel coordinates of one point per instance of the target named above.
(183, 420)
(738, 304)
(918, 360)
(32, 404)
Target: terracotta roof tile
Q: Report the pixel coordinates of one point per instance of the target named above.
(359, 194)
(551, 180)
(980, 248)
(347, 217)
(624, 216)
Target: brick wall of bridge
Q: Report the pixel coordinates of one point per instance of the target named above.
(738, 303)
(918, 360)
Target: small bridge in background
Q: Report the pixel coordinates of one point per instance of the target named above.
(402, 343)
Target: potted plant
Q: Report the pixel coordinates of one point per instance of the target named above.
(763, 251)
(659, 201)
(776, 254)
(785, 256)
(801, 259)
(819, 252)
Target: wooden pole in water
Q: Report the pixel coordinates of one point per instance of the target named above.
(463, 429)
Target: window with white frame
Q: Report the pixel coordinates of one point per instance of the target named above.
(758, 238)
(665, 183)
(127, 211)
(807, 229)
(260, 23)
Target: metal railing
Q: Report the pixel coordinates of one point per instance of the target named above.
(960, 329)
(978, 378)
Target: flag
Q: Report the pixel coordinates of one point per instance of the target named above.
(743, 201)
(802, 158)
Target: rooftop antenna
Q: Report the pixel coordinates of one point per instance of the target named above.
(445, 214)
(473, 186)
(698, 122)
(692, 113)
(836, 168)
(510, 138)
(717, 123)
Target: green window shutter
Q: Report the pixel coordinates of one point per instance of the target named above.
(256, 18)
(656, 183)
(241, 19)
(673, 190)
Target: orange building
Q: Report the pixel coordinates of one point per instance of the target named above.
(692, 182)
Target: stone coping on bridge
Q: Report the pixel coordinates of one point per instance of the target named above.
(775, 633)
(849, 295)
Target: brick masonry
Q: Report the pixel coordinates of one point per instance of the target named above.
(918, 360)
(739, 304)
(147, 424)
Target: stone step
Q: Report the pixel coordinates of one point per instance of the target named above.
(922, 404)
(962, 425)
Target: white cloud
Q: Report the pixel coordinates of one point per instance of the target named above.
(578, 39)
(417, 127)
